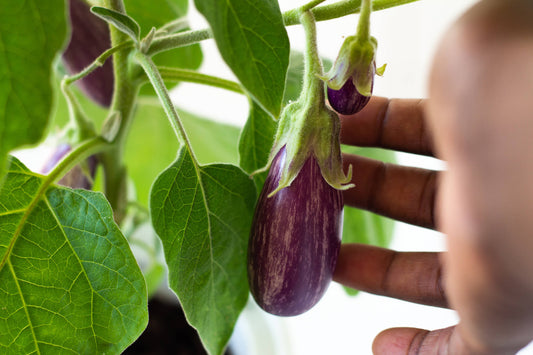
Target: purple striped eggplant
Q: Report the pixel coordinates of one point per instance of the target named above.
(347, 100)
(89, 38)
(295, 240)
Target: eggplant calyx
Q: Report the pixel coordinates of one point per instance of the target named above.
(356, 61)
(310, 130)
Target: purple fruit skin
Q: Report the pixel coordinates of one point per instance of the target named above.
(347, 100)
(295, 240)
(89, 38)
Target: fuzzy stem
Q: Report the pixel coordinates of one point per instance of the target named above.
(177, 40)
(123, 103)
(290, 18)
(313, 87)
(363, 26)
(159, 86)
(78, 154)
(191, 76)
(97, 63)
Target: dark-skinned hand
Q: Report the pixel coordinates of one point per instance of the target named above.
(479, 119)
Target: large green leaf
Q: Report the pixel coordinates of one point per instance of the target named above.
(211, 141)
(365, 227)
(31, 34)
(68, 281)
(203, 216)
(252, 39)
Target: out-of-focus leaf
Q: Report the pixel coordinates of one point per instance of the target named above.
(32, 33)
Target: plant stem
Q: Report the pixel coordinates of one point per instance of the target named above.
(98, 62)
(310, 5)
(313, 87)
(174, 26)
(191, 76)
(340, 9)
(290, 18)
(123, 102)
(159, 86)
(78, 154)
(363, 26)
(177, 40)
(84, 127)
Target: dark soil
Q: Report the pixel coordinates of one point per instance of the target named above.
(167, 333)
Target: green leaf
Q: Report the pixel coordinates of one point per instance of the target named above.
(365, 227)
(31, 33)
(69, 282)
(156, 13)
(123, 23)
(256, 141)
(203, 216)
(159, 145)
(252, 39)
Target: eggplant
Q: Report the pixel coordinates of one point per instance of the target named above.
(89, 38)
(295, 240)
(76, 178)
(347, 100)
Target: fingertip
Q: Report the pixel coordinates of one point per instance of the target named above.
(398, 341)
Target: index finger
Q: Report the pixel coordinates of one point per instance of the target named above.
(397, 124)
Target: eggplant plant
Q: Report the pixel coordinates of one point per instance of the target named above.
(94, 76)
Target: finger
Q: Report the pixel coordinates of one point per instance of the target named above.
(397, 124)
(403, 193)
(447, 341)
(410, 276)
(412, 341)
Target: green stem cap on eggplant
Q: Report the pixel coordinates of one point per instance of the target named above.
(351, 80)
(307, 129)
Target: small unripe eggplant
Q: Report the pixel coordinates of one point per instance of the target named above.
(295, 240)
(76, 178)
(89, 38)
(347, 100)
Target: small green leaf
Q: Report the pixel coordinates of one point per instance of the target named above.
(70, 283)
(203, 216)
(365, 227)
(32, 32)
(252, 39)
(122, 22)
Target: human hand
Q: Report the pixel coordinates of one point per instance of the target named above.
(478, 119)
